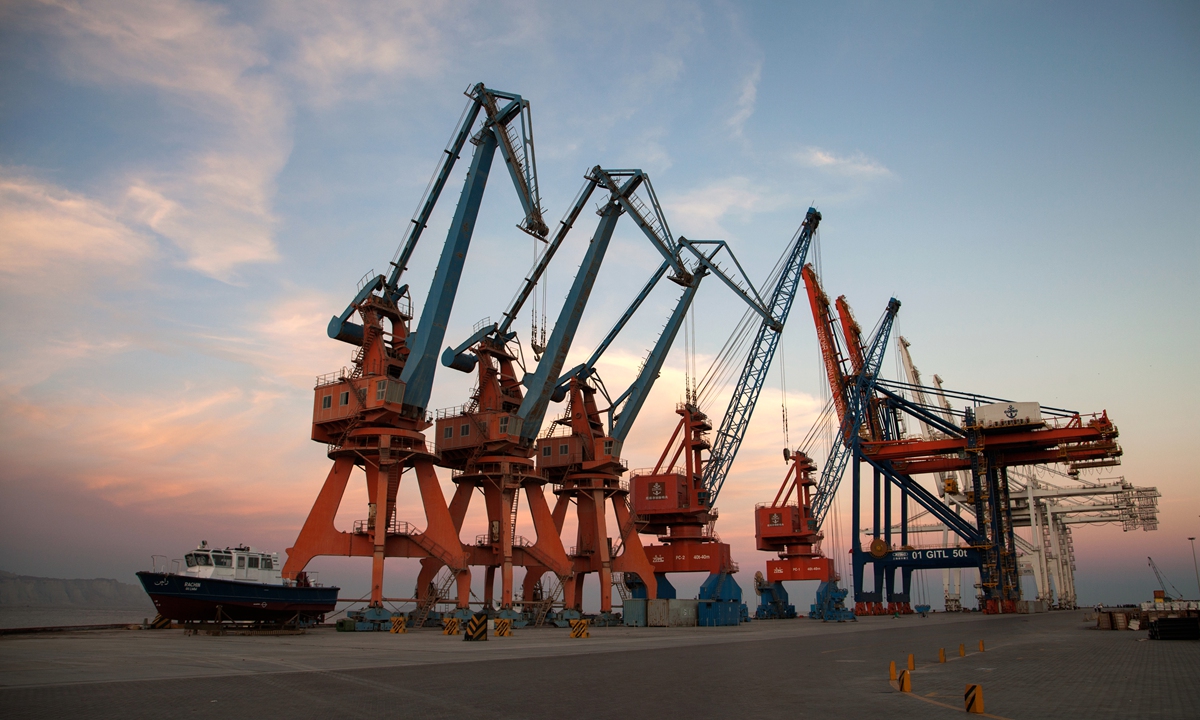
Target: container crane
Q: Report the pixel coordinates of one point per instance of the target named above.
(373, 416)
(678, 504)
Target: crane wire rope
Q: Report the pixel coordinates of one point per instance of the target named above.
(733, 353)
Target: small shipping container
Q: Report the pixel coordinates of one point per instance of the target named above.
(634, 612)
(999, 415)
(658, 613)
(682, 612)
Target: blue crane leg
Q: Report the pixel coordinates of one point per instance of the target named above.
(424, 344)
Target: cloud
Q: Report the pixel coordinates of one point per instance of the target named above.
(337, 49)
(47, 230)
(746, 100)
(704, 208)
(215, 202)
(857, 165)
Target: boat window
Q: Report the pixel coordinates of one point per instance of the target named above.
(203, 560)
(190, 560)
(253, 562)
(266, 564)
(222, 560)
(241, 562)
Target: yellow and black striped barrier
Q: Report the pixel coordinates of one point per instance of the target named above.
(399, 626)
(476, 627)
(579, 628)
(905, 682)
(160, 622)
(973, 699)
(450, 626)
(503, 627)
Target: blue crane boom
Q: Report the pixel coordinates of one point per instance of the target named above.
(517, 150)
(754, 373)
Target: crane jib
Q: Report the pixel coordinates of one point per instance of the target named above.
(754, 374)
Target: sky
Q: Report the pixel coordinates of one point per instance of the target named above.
(188, 191)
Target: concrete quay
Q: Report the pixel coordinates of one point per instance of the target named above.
(1034, 666)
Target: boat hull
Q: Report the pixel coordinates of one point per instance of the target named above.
(183, 598)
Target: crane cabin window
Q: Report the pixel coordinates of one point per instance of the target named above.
(326, 402)
(547, 450)
(465, 430)
(448, 432)
(504, 425)
(608, 446)
(564, 449)
(202, 559)
(190, 559)
(345, 398)
(380, 389)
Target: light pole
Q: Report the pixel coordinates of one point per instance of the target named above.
(1192, 540)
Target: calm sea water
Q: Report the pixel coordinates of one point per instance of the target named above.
(13, 617)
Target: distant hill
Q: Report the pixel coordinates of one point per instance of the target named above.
(24, 590)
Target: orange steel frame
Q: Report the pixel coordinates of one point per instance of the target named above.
(374, 435)
(491, 459)
(589, 474)
(671, 502)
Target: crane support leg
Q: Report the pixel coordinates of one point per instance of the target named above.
(441, 532)
(602, 552)
(633, 553)
(319, 536)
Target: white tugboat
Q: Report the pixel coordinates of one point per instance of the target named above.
(240, 584)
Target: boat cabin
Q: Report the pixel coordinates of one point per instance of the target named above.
(239, 563)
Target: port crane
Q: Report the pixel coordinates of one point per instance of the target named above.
(490, 442)
(581, 453)
(793, 530)
(1163, 583)
(1047, 501)
(373, 416)
(985, 439)
(678, 503)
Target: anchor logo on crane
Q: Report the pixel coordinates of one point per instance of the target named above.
(1010, 412)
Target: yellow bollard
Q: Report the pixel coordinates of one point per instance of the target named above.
(973, 699)
(905, 682)
(941, 655)
(912, 663)
(579, 628)
(892, 671)
(980, 646)
(962, 650)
